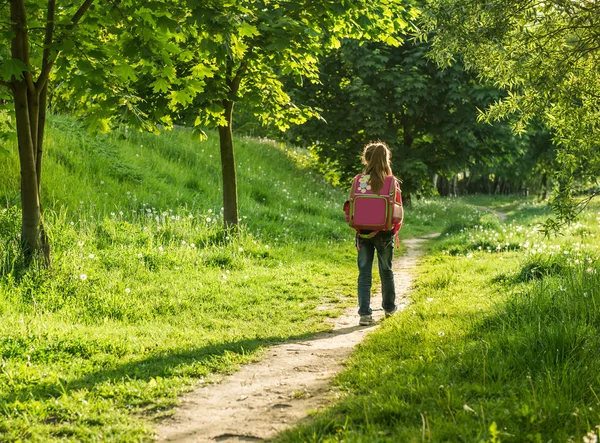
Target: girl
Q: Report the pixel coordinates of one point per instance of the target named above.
(376, 158)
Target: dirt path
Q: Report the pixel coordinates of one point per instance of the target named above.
(501, 215)
(291, 380)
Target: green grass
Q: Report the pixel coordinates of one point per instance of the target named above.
(500, 342)
(147, 297)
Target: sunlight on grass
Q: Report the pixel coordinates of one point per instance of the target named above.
(499, 344)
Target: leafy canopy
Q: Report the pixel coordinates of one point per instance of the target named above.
(546, 55)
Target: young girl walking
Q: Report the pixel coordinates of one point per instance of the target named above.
(376, 158)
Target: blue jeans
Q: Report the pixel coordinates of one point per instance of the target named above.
(383, 243)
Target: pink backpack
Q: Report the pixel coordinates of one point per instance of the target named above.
(367, 211)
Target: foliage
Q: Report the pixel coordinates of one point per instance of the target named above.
(498, 344)
(545, 55)
(427, 115)
(95, 63)
(257, 44)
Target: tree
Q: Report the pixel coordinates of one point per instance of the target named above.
(427, 115)
(546, 56)
(95, 51)
(254, 46)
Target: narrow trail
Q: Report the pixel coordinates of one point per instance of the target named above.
(294, 378)
(501, 215)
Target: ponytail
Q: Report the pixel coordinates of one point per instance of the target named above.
(376, 157)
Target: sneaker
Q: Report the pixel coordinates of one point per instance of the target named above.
(366, 320)
(390, 313)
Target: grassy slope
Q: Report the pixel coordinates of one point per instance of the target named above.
(146, 295)
(500, 343)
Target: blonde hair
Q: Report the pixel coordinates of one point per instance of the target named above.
(376, 157)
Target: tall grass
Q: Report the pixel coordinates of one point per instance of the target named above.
(147, 296)
(500, 343)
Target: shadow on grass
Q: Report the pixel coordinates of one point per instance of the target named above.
(212, 359)
(530, 366)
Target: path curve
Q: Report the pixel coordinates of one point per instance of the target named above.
(292, 379)
(501, 215)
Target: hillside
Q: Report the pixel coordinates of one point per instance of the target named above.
(147, 297)
(134, 172)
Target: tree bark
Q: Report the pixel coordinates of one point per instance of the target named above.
(30, 113)
(230, 197)
(544, 194)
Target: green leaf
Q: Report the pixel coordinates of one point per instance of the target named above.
(247, 30)
(12, 68)
(98, 123)
(201, 71)
(125, 72)
(170, 72)
(160, 85)
(181, 98)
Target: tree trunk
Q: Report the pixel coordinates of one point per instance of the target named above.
(443, 186)
(454, 186)
(30, 196)
(30, 113)
(544, 193)
(230, 198)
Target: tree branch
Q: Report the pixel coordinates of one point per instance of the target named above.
(46, 62)
(80, 12)
(20, 41)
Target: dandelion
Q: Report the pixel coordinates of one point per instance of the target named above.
(160, 248)
(266, 246)
(441, 333)
(140, 255)
(241, 249)
(210, 211)
(127, 290)
(83, 277)
(224, 276)
(183, 242)
(80, 243)
(192, 245)
(430, 299)
(92, 256)
(208, 219)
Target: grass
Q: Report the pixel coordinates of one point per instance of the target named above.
(500, 342)
(147, 297)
